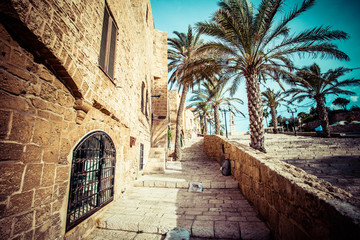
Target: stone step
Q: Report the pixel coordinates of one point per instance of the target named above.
(101, 234)
(163, 183)
(214, 213)
(155, 162)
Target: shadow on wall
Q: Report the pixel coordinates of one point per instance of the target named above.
(159, 134)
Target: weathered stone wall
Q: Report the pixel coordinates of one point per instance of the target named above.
(174, 100)
(159, 94)
(294, 204)
(52, 94)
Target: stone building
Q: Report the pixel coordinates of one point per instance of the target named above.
(80, 110)
(190, 125)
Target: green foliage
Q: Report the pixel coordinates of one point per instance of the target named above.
(341, 102)
(169, 133)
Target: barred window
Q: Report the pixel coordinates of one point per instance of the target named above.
(108, 44)
(92, 177)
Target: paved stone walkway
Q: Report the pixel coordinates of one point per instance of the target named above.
(159, 203)
(336, 160)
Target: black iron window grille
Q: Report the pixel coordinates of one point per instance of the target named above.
(92, 177)
(141, 164)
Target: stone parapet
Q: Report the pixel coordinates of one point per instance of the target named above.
(295, 205)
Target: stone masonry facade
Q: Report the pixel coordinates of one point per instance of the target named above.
(53, 93)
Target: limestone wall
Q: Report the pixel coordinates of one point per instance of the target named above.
(294, 204)
(53, 93)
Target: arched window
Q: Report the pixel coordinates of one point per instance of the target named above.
(92, 177)
(142, 97)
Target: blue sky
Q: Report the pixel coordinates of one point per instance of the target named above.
(176, 15)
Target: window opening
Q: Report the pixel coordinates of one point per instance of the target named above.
(142, 97)
(146, 103)
(141, 164)
(108, 44)
(92, 177)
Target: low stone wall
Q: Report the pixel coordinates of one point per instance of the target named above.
(295, 205)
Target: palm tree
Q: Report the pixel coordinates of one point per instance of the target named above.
(213, 92)
(266, 115)
(341, 102)
(311, 83)
(187, 66)
(203, 111)
(272, 100)
(256, 45)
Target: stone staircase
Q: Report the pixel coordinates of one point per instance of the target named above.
(155, 162)
(159, 203)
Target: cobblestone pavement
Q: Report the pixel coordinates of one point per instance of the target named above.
(336, 160)
(159, 203)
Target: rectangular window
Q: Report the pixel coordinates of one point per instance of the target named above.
(108, 44)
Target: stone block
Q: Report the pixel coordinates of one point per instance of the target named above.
(10, 179)
(139, 183)
(48, 177)
(206, 184)
(160, 184)
(184, 224)
(62, 174)
(8, 101)
(149, 225)
(39, 103)
(5, 227)
(227, 230)
(11, 83)
(11, 151)
(203, 229)
(56, 206)
(20, 203)
(170, 184)
(167, 224)
(216, 184)
(35, 22)
(51, 155)
(4, 123)
(254, 230)
(42, 133)
(182, 184)
(148, 183)
(23, 222)
(32, 178)
(211, 218)
(32, 154)
(126, 223)
(48, 92)
(42, 214)
(43, 196)
(42, 232)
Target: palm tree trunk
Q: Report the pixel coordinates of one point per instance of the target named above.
(205, 126)
(321, 109)
(217, 119)
(274, 118)
(179, 122)
(255, 112)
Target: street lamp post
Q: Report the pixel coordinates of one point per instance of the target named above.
(292, 111)
(224, 110)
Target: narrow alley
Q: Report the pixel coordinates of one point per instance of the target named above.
(161, 202)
